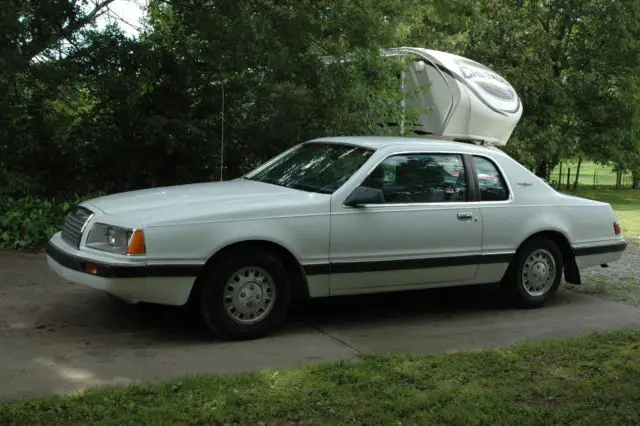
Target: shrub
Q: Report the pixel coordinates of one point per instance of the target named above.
(29, 221)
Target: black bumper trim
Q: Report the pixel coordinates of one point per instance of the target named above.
(609, 248)
(404, 264)
(106, 270)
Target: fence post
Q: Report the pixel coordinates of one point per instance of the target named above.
(594, 179)
(568, 178)
(560, 176)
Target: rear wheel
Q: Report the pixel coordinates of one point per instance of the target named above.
(245, 295)
(534, 275)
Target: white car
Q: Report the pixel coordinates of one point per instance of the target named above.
(337, 216)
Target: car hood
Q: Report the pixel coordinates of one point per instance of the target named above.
(202, 200)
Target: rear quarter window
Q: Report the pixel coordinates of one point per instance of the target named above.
(493, 186)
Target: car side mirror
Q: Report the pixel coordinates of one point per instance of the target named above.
(364, 195)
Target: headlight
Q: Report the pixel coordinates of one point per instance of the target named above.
(115, 239)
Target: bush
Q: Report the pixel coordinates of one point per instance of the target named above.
(29, 221)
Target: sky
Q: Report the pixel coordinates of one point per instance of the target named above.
(130, 11)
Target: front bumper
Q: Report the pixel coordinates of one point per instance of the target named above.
(133, 282)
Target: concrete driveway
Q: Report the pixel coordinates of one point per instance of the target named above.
(57, 337)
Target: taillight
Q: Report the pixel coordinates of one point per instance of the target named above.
(616, 228)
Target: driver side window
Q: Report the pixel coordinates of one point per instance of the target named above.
(420, 178)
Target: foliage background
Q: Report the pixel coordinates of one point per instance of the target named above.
(86, 110)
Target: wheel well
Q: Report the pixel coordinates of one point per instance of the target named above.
(296, 274)
(561, 241)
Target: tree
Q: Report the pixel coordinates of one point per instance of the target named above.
(33, 27)
(76, 100)
(34, 36)
(278, 89)
(563, 57)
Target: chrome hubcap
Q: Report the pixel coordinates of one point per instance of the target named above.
(538, 273)
(249, 295)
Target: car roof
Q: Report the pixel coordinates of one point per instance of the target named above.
(429, 143)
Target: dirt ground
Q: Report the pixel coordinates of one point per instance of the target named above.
(56, 337)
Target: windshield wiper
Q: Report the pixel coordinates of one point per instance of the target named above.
(269, 181)
(310, 188)
(293, 185)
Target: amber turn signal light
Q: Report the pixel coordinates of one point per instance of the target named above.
(90, 268)
(137, 245)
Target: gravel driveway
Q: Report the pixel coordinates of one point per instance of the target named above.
(58, 337)
(620, 281)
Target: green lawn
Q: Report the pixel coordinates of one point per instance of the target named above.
(589, 172)
(625, 202)
(591, 380)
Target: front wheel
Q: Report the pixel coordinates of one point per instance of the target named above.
(534, 275)
(246, 295)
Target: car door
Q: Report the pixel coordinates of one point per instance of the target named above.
(423, 233)
(502, 221)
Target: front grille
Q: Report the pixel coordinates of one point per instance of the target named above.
(72, 228)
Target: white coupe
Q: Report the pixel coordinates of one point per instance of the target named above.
(342, 215)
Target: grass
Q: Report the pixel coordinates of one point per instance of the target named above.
(589, 380)
(625, 202)
(604, 175)
(628, 292)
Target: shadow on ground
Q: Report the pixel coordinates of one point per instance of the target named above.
(160, 324)
(404, 304)
(96, 314)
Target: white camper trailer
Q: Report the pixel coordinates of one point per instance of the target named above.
(464, 100)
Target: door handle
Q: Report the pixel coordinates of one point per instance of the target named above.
(465, 215)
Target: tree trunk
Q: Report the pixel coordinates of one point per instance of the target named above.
(636, 179)
(542, 170)
(575, 182)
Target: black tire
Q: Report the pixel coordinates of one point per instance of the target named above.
(513, 284)
(210, 300)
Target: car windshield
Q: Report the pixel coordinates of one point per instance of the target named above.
(315, 167)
